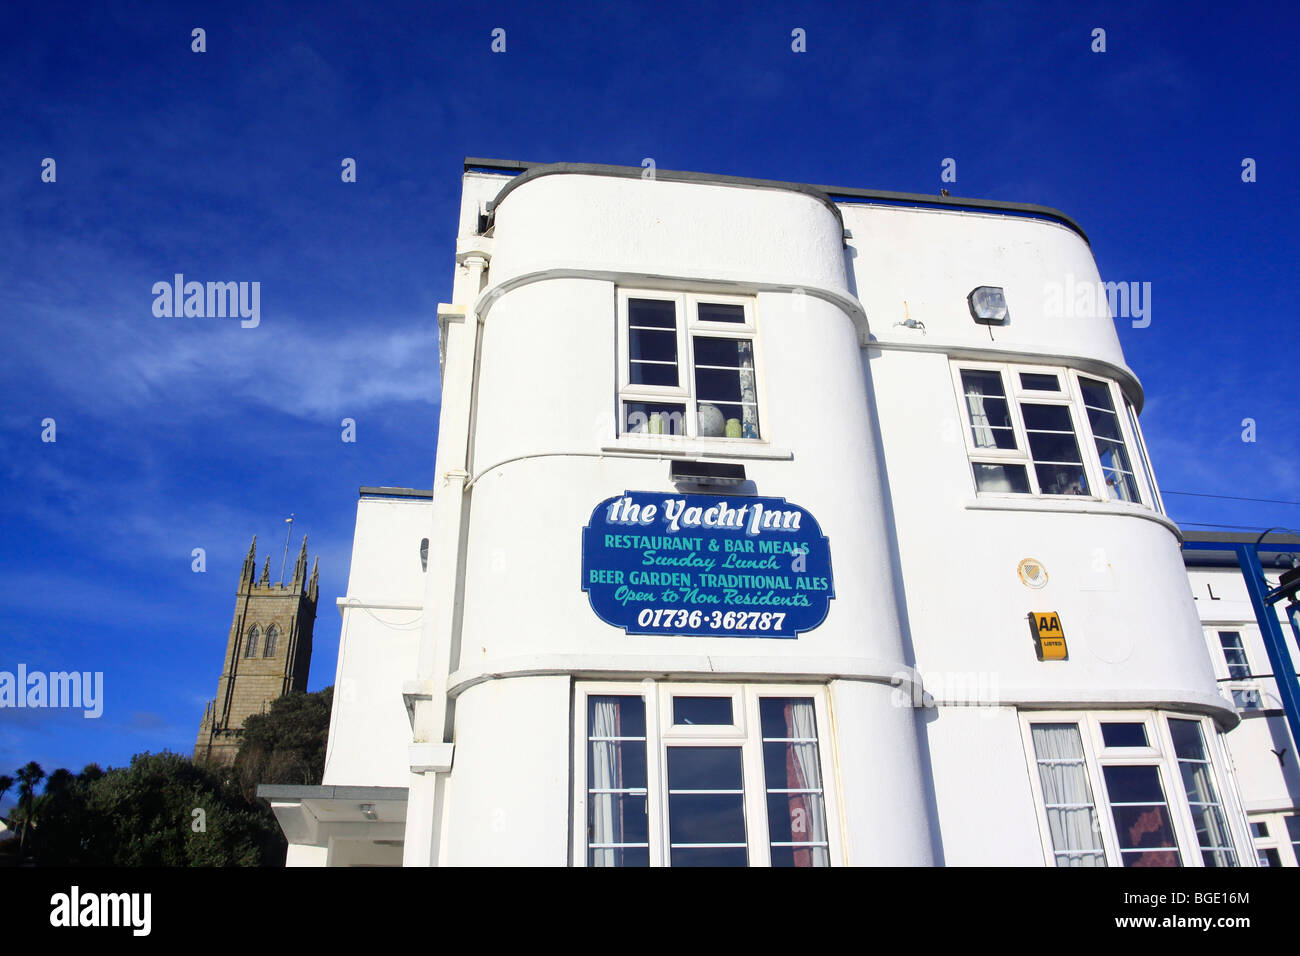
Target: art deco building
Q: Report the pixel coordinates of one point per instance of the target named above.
(771, 524)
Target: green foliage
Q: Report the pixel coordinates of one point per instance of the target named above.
(165, 810)
(286, 744)
(144, 815)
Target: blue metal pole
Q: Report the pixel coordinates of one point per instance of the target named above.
(1288, 688)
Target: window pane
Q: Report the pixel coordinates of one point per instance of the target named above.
(706, 818)
(1259, 829)
(1124, 735)
(617, 812)
(1012, 479)
(702, 710)
(1054, 418)
(710, 856)
(1121, 483)
(1039, 383)
(1057, 461)
(717, 385)
(1234, 655)
(986, 404)
(801, 856)
(1134, 784)
(1212, 834)
(653, 418)
(1141, 815)
(1067, 795)
(1268, 857)
(796, 802)
(652, 342)
(704, 768)
(1054, 447)
(1061, 479)
(652, 313)
(706, 806)
(1247, 699)
(652, 345)
(719, 312)
(725, 387)
(1142, 456)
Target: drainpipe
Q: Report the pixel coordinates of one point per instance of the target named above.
(426, 699)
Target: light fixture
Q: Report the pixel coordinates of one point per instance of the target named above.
(368, 811)
(988, 305)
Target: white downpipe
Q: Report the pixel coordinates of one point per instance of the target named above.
(430, 726)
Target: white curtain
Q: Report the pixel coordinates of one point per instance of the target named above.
(606, 774)
(1198, 780)
(979, 420)
(748, 391)
(803, 772)
(1071, 814)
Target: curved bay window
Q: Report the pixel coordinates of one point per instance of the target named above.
(1051, 432)
(1135, 789)
(701, 775)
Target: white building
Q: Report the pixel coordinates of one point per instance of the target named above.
(762, 514)
(1262, 748)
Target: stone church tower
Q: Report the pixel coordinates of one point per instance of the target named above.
(267, 655)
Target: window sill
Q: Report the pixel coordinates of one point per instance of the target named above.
(1070, 506)
(673, 447)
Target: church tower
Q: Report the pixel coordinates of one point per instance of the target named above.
(268, 653)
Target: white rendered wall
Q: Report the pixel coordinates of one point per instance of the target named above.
(508, 803)
(987, 814)
(302, 855)
(932, 259)
(693, 230)
(545, 452)
(378, 645)
(1115, 572)
(1223, 603)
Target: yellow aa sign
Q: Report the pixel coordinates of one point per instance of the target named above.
(1049, 635)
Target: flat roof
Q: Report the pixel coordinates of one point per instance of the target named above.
(1274, 551)
(367, 491)
(284, 791)
(524, 171)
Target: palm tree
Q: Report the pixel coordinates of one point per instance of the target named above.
(28, 777)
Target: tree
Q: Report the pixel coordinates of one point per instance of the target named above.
(162, 810)
(6, 783)
(286, 744)
(29, 775)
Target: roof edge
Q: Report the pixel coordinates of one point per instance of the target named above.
(525, 171)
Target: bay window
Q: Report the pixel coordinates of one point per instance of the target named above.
(1050, 432)
(687, 365)
(1128, 789)
(701, 775)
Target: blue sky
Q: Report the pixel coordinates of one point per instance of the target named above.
(174, 434)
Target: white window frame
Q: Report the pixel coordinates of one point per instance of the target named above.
(688, 324)
(1070, 395)
(745, 732)
(1158, 752)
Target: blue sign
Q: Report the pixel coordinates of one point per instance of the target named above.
(705, 565)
